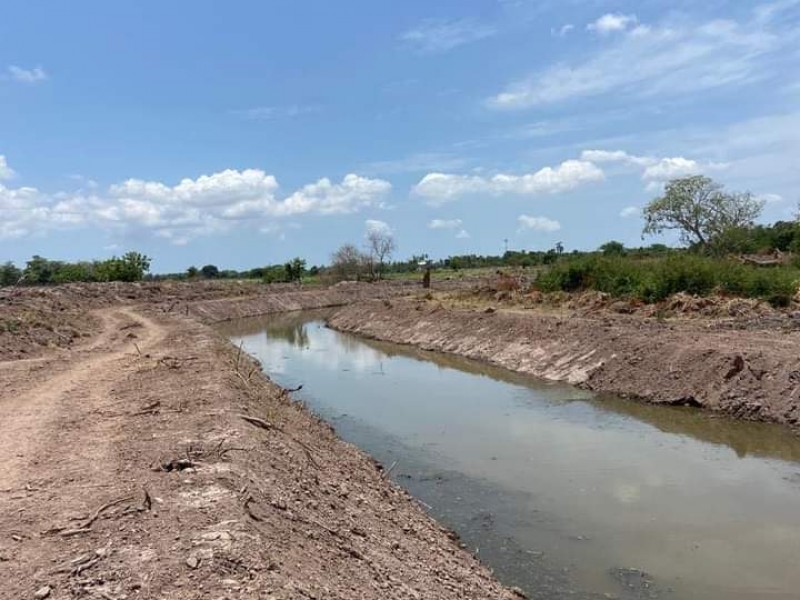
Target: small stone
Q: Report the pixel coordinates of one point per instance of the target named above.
(42, 592)
(192, 562)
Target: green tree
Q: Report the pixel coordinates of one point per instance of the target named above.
(9, 274)
(613, 248)
(39, 270)
(700, 210)
(192, 272)
(295, 269)
(210, 272)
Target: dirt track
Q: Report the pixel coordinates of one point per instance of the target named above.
(748, 374)
(127, 471)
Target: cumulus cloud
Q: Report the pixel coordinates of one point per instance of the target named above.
(654, 169)
(206, 205)
(445, 224)
(538, 224)
(668, 59)
(612, 22)
(6, 172)
(438, 188)
(35, 75)
(435, 35)
(375, 226)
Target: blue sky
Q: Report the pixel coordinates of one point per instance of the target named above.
(246, 133)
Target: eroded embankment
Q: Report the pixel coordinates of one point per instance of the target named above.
(292, 299)
(747, 374)
(158, 462)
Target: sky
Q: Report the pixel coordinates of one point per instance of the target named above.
(245, 133)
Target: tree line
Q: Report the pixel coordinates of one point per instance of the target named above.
(131, 266)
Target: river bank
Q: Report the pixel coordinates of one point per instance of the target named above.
(753, 375)
(150, 458)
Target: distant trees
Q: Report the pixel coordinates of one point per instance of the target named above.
(132, 266)
(209, 271)
(9, 274)
(701, 211)
(613, 248)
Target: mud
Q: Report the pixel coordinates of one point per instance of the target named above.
(748, 374)
(128, 470)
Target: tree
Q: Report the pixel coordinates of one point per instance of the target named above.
(295, 269)
(210, 271)
(613, 248)
(192, 272)
(381, 245)
(347, 263)
(9, 274)
(700, 210)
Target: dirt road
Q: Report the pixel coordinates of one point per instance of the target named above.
(127, 470)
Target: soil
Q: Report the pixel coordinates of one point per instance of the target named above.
(148, 458)
(726, 366)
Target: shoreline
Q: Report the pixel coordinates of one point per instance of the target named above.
(748, 375)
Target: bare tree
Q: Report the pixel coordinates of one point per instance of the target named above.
(347, 263)
(381, 245)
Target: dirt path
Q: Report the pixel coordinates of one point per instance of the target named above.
(30, 416)
(130, 473)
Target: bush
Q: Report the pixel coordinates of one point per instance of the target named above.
(654, 279)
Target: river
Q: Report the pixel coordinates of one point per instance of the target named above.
(559, 491)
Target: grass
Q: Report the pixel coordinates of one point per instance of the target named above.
(653, 279)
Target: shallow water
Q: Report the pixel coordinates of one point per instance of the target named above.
(560, 492)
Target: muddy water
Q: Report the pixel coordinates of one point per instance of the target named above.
(562, 493)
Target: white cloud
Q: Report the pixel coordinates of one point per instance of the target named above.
(670, 168)
(35, 75)
(206, 205)
(438, 188)
(671, 59)
(445, 224)
(562, 31)
(612, 22)
(6, 172)
(608, 156)
(375, 226)
(434, 35)
(654, 168)
(630, 211)
(324, 197)
(538, 223)
(462, 235)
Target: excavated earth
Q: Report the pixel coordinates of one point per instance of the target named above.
(142, 456)
(747, 372)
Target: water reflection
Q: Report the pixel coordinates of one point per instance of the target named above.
(562, 491)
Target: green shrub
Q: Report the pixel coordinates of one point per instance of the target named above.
(653, 279)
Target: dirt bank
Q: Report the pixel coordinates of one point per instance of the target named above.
(749, 374)
(37, 320)
(149, 460)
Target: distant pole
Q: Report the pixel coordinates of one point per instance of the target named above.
(506, 243)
